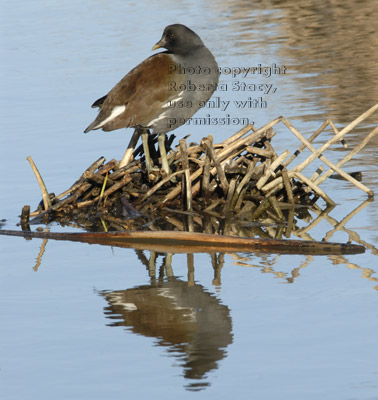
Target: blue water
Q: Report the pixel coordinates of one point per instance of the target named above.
(260, 326)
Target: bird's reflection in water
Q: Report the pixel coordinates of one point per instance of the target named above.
(181, 315)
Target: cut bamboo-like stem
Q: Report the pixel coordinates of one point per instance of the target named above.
(274, 203)
(289, 223)
(127, 157)
(318, 191)
(270, 171)
(248, 140)
(159, 185)
(124, 181)
(45, 193)
(220, 171)
(310, 140)
(276, 184)
(324, 159)
(55, 207)
(260, 152)
(72, 189)
(227, 154)
(99, 179)
(206, 177)
(337, 137)
(185, 166)
(348, 157)
(244, 182)
(239, 134)
(104, 194)
(176, 191)
(287, 185)
(92, 168)
(230, 194)
(314, 176)
(336, 131)
(112, 164)
(264, 205)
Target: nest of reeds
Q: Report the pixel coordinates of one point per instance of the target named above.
(242, 178)
(218, 179)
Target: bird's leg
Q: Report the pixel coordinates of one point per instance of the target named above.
(130, 148)
(146, 150)
(163, 154)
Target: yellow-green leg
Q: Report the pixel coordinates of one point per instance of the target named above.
(146, 151)
(163, 154)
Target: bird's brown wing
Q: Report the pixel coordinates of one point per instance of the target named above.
(142, 92)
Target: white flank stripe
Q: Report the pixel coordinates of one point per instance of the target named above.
(117, 110)
(156, 119)
(169, 103)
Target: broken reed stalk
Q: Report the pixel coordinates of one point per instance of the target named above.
(287, 186)
(154, 189)
(317, 190)
(121, 183)
(270, 169)
(228, 152)
(348, 157)
(91, 169)
(127, 157)
(324, 159)
(230, 195)
(206, 177)
(185, 166)
(100, 180)
(275, 206)
(45, 193)
(337, 137)
(222, 176)
(247, 177)
(238, 146)
(260, 152)
(312, 138)
(336, 131)
(76, 191)
(239, 134)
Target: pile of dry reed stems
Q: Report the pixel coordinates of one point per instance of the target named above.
(242, 176)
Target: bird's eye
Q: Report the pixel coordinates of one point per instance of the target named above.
(172, 35)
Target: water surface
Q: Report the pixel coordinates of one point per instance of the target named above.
(85, 321)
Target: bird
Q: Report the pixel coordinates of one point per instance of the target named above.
(161, 93)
